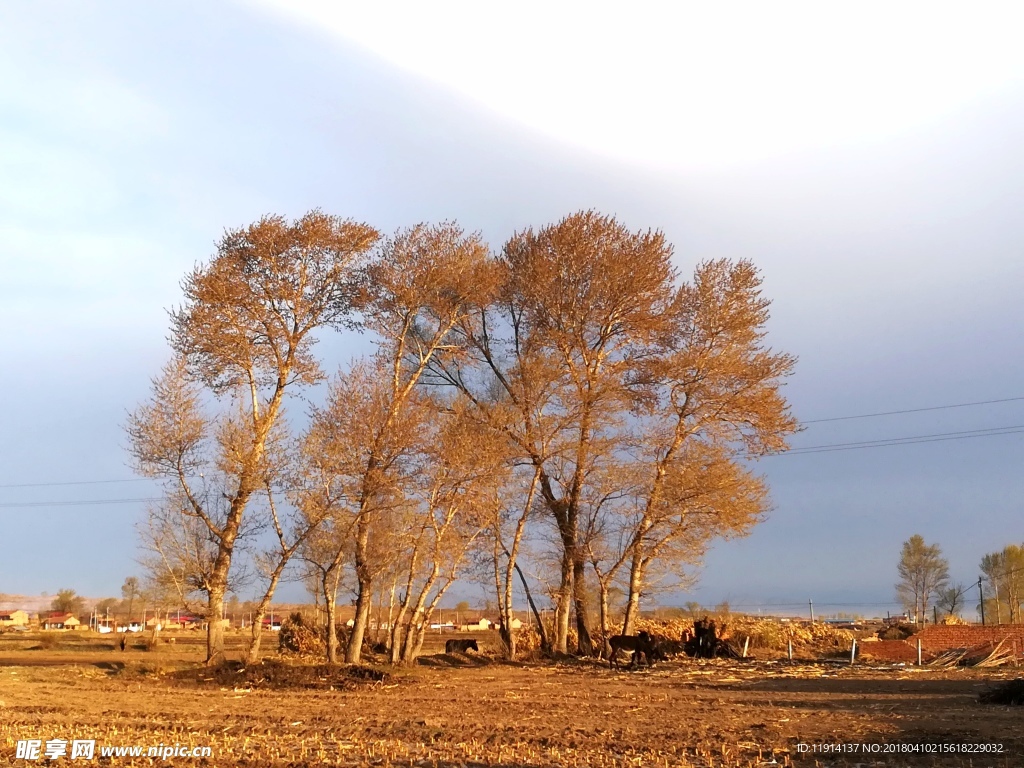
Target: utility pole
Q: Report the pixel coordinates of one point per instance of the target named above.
(981, 597)
(810, 604)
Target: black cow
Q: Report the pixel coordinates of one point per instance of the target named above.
(639, 644)
(460, 646)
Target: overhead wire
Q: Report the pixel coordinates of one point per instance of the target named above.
(826, 448)
(912, 410)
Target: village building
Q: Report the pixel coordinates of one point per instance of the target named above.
(14, 619)
(59, 620)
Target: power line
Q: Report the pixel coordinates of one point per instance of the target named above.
(912, 410)
(828, 448)
(908, 440)
(879, 443)
(16, 504)
(75, 482)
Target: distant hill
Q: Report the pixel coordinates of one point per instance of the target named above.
(35, 603)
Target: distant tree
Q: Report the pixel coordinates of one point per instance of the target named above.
(694, 609)
(951, 599)
(129, 591)
(1004, 572)
(462, 606)
(67, 601)
(923, 572)
(106, 605)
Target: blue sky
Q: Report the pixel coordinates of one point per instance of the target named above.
(869, 164)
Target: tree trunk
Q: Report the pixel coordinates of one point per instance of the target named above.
(413, 638)
(255, 638)
(330, 608)
(584, 642)
(563, 606)
(421, 633)
(545, 642)
(605, 648)
(256, 629)
(397, 631)
(355, 640)
(633, 601)
(364, 597)
(215, 627)
(391, 611)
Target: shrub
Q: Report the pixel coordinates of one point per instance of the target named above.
(897, 632)
(299, 637)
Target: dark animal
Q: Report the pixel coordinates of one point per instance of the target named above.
(124, 642)
(640, 644)
(460, 646)
(707, 640)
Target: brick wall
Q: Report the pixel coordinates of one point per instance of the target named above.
(893, 651)
(939, 638)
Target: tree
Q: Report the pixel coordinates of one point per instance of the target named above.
(421, 286)
(106, 605)
(129, 591)
(458, 490)
(67, 601)
(591, 334)
(923, 573)
(556, 349)
(357, 457)
(1004, 572)
(708, 397)
(242, 340)
(951, 599)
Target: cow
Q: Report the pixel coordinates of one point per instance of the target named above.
(460, 646)
(641, 643)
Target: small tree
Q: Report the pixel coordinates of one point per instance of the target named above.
(67, 601)
(923, 572)
(106, 605)
(129, 591)
(951, 599)
(1004, 572)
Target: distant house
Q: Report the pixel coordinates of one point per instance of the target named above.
(59, 620)
(182, 621)
(14, 619)
(105, 626)
(476, 624)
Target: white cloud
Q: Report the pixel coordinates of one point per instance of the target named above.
(694, 85)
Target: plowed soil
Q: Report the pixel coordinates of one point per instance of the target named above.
(471, 710)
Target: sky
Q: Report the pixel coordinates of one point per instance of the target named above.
(866, 158)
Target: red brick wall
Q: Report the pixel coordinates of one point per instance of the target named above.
(939, 638)
(888, 650)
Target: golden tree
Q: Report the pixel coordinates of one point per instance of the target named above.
(463, 468)
(583, 358)
(243, 338)
(422, 284)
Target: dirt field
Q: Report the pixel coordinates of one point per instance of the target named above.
(465, 710)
